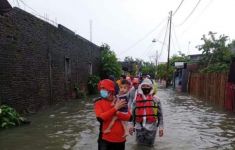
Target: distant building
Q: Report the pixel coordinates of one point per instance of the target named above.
(195, 57)
(130, 67)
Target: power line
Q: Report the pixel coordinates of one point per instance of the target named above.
(177, 41)
(197, 18)
(18, 4)
(156, 40)
(14, 2)
(29, 7)
(164, 39)
(38, 14)
(143, 38)
(173, 45)
(178, 7)
(147, 49)
(190, 13)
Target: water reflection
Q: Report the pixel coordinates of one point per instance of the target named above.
(189, 124)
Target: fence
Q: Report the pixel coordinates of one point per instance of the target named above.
(210, 87)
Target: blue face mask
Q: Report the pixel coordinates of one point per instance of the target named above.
(104, 93)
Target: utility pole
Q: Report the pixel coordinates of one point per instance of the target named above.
(156, 59)
(169, 46)
(188, 47)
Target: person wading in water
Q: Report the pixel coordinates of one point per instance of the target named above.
(106, 108)
(147, 114)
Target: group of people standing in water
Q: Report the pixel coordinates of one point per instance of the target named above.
(126, 106)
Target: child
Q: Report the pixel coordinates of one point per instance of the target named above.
(105, 110)
(124, 89)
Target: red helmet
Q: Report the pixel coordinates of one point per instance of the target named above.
(107, 84)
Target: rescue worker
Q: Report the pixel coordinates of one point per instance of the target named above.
(105, 109)
(147, 114)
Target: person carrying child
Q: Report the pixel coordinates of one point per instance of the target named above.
(123, 95)
(106, 108)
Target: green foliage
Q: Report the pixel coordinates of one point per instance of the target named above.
(79, 92)
(162, 72)
(9, 117)
(148, 68)
(216, 53)
(133, 65)
(178, 58)
(109, 63)
(218, 67)
(92, 84)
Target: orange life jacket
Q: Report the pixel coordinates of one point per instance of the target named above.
(145, 105)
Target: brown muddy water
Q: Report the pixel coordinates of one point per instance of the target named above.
(190, 124)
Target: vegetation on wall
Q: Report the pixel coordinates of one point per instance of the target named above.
(92, 84)
(9, 117)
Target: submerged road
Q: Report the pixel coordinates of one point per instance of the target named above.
(190, 124)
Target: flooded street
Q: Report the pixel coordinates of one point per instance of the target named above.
(189, 124)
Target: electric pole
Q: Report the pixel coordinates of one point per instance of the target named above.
(169, 46)
(156, 59)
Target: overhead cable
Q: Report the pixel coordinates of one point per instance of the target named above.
(143, 38)
(177, 41)
(38, 14)
(190, 13)
(164, 38)
(178, 7)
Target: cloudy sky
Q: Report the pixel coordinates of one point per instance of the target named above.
(129, 26)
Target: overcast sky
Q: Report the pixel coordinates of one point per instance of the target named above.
(124, 24)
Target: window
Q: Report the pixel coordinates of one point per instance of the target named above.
(90, 68)
(67, 69)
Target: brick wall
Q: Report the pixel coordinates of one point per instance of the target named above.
(41, 63)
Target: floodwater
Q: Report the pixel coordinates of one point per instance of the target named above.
(190, 124)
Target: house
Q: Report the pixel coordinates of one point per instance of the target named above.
(195, 57)
(4, 6)
(180, 76)
(41, 64)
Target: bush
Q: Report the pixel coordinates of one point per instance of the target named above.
(79, 93)
(93, 80)
(9, 117)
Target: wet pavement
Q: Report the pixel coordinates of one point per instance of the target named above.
(190, 124)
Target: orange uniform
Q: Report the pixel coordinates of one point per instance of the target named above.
(105, 111)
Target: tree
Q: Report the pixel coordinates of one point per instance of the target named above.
(178, 58)
(128, 59)
(216, 53)
(109, 63)
(162, 72)
(148, 68)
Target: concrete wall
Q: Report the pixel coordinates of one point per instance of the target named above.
(41, 63)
